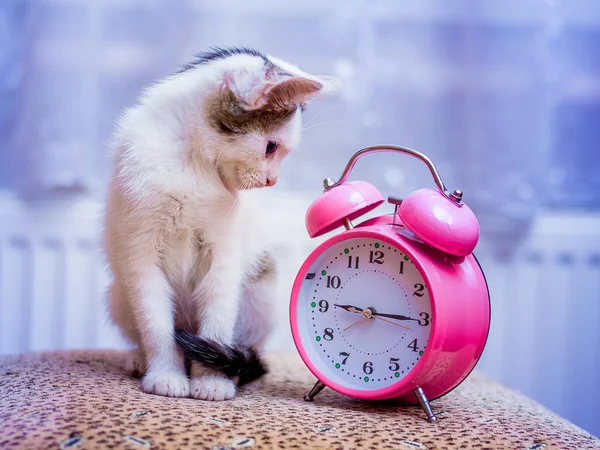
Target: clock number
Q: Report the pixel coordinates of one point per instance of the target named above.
(413, 345)
(419, 290)
(376, 257)
(333, 282)
(323, 306)
(394, 366)
(425, 320)
(346, 357)
(328, 336)
(368, 367)
(401, 267)
(350, 260)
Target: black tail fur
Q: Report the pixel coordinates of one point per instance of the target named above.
(242, 362)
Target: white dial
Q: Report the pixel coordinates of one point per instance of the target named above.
(364, 313)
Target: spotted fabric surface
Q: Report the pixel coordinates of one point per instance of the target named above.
(84, 400)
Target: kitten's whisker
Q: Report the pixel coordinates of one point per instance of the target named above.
(218, 159)
(345, 136)
(312, 119)
(246, 182)
(230, 209)
(322, 123)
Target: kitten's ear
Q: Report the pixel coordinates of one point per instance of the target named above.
(277, 87)
(293, 90)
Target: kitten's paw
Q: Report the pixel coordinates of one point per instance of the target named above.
(135, 363)
(167, 384)
(212, 387)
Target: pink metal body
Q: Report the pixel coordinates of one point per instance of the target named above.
(460, 311)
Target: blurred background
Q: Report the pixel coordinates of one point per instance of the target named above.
(503, 96)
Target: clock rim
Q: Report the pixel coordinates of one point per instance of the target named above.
(396, 389)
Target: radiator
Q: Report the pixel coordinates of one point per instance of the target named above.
(544, 341)
(53, 279)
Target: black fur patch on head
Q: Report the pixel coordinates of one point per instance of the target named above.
(218, 53)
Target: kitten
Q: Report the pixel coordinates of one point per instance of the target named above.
(191, 279)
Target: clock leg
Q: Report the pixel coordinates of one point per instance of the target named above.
(431, 417)
(318, 387)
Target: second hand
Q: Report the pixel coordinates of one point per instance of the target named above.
(352, 324)
(393, 323)
(378, 318)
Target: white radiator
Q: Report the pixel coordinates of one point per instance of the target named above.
(545, 335)
(544, 341)
(53, 279)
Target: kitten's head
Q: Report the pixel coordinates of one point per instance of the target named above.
(254, 115)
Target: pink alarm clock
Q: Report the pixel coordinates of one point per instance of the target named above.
(396, 306)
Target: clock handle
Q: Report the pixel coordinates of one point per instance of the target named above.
(455, 196)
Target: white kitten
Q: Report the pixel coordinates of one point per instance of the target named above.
(180, 231)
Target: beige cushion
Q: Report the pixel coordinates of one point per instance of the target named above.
(84, 400)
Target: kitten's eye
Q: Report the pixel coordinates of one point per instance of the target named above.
(271, 147)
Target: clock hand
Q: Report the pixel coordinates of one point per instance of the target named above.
(352, 309)
(352, 324)
(393, 323)
(394, 316)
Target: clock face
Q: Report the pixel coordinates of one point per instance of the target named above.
(364, 314)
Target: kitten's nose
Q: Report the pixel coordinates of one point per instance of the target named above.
(271, 182)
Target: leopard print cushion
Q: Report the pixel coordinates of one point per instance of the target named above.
(83, 399)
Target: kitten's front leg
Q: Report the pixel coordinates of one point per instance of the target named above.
(219, 295)
(166, 373)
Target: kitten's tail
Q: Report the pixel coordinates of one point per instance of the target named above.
(242, 362)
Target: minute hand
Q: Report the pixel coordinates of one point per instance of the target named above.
(394, 316)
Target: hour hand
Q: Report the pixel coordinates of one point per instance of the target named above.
(352, 309)
(394, 316)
